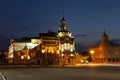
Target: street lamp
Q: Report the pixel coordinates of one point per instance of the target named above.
(62, 59)
(59, 57)
(25, 57)
(71, 55)
(22, 57)
(28, 57)
(44, 51)
(62, 54)
(91, 53)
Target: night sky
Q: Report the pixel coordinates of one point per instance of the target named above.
(27, 18)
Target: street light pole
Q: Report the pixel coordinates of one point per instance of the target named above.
(46, 58)
(91, 53)
(28, 56)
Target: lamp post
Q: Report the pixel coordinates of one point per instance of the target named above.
(46, 57)
(28, 58)
(62, 59)
(91, 54)
(22, 57)
(58, 54)
(45, 52)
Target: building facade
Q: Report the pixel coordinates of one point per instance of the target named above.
(49, 48)
(46, 53)
(106, 51)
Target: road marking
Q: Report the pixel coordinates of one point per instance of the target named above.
(3, 76)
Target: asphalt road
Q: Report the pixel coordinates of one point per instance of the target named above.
(62, 73)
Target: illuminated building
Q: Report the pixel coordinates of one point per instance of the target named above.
(47, 49)
(19, 50)
(106, 51)
(46, 53)
(66, 44)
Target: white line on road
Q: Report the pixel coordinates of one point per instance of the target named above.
(3, 76)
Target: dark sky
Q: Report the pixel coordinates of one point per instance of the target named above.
(24, 18)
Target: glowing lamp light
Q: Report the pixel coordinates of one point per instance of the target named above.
(43, 51)
(62, 54)
(92, 52)
(11, 56)
(58, 51)
(82, 61)
(86, 61)
(22, 57)
(71, 55)
(52, 51)
(71, 50)
(62, 50)
(28, 57)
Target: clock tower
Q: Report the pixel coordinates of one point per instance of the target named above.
(63, 29)
(66, 43)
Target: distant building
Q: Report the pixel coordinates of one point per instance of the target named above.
(47, 49)
(106, 51)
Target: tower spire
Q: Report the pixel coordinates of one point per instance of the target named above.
(63, 27)
(104, 36)
(63, 19)
(104, 30)
(63, 13)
